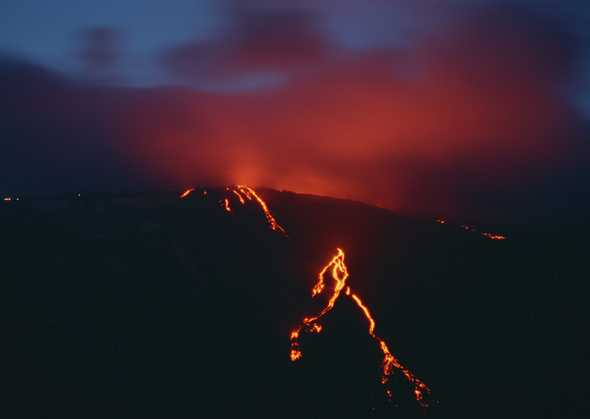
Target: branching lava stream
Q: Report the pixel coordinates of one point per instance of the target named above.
(339, 273)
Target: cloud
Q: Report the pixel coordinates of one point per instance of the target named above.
(257, 40)
(471, 120)
(100, 49)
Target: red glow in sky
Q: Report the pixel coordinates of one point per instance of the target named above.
(463, 120)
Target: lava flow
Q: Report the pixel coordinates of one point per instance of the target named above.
(251, 194)
(390, 363)
(494, 236)
(473, 229)
(226, 205)
(243, 194)
(186, 193)
(339, 271)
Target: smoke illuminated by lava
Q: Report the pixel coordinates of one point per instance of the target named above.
(339, 273)
(445, 121)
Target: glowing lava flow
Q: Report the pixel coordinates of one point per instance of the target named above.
(251, 193)
(340, 274)
(226, 205)
(473, 229)
(494, 236)
(243, 194)
(186, 193)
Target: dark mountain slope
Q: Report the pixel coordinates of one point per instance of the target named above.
(150, 306)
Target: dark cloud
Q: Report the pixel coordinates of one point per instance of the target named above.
(496, 36)
(55, 134)
(256, 40)
(100, 48)
(471, 120)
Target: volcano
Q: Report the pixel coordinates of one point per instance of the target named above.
(181, 304)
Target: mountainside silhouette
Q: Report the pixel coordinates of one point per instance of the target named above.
(147, 305)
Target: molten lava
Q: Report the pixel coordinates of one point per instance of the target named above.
(494, 236)
(339, 273)
(251, 193)
(473, 229)
(243, 194)
(226, 205)
(186, 193)
(240, 197)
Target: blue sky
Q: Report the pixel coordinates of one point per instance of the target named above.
(48, 32)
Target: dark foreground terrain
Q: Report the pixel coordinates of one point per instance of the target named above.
(124, 306)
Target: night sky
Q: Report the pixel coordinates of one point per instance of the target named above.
(464, 108)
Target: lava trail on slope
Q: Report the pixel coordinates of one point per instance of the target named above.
(242, 194)
(340, 274)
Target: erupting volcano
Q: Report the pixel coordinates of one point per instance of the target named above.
(200, 276)
(339, 273)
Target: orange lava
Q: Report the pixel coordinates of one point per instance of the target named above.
(339, 273)
(494, 236)
(243, 194)
(186, 193)
(474, 229)
(250, 194)
(240, 197)
(226, 205)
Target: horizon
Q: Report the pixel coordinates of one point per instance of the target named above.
(471, 109)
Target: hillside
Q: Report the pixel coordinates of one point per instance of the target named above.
(148, 305)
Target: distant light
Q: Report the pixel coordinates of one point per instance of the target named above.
(226, 205)
(494, 236)
(186, 193)
(7, 199)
